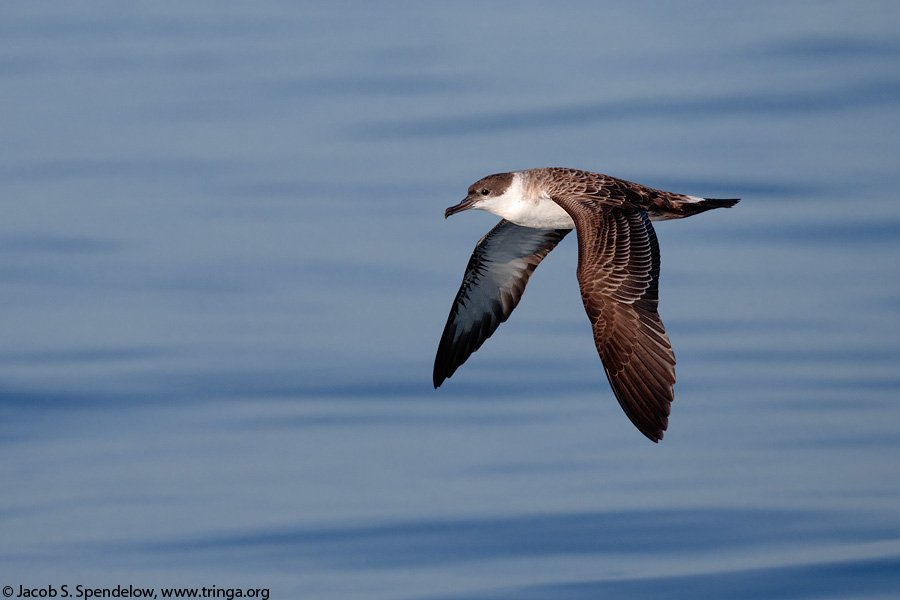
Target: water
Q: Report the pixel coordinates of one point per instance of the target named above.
(225, 274)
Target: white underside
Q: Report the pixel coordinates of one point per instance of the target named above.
(542, 213)
(538, 211)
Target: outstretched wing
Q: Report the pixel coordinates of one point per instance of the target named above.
(495, 278)
(618, 271)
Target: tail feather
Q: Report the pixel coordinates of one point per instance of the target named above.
(704, 204)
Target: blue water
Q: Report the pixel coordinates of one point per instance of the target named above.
(225, 272)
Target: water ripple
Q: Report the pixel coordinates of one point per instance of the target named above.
(880, 93)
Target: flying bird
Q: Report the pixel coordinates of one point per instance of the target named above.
(618, 272)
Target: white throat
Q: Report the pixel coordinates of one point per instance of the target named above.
(534, 210)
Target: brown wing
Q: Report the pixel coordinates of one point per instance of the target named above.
(600, 192)
(618, 271)
(495, 278)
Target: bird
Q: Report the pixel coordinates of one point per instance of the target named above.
(617, 272)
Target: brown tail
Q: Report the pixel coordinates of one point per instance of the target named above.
(692, 208)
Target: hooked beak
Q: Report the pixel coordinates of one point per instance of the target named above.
(464, 205)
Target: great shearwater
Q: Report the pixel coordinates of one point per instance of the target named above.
(618, 272)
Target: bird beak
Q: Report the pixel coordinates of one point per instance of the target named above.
(464, 205)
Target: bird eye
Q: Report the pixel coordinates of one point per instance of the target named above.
(485, 191)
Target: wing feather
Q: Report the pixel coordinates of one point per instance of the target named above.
(618, 272)
(495, 278)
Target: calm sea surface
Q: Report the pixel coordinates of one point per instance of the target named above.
(224, 272)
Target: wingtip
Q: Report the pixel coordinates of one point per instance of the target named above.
(438, 378)
(654, 435)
